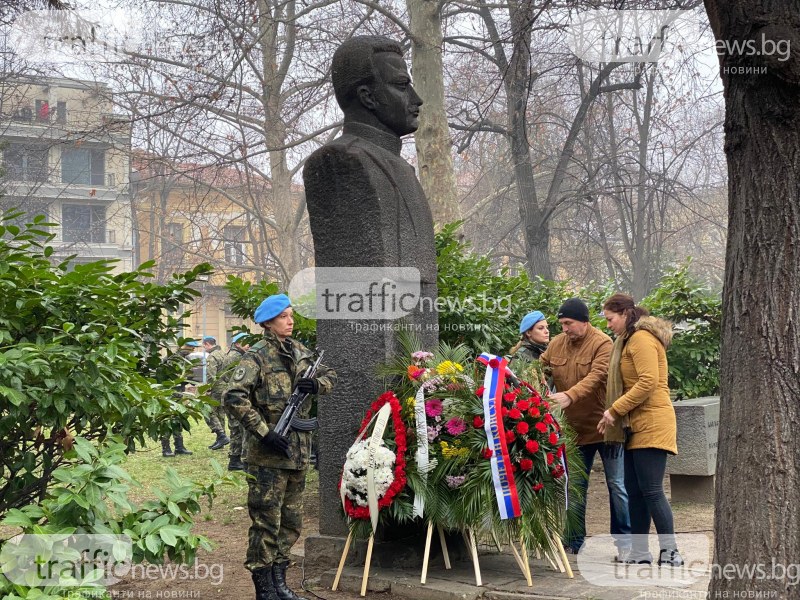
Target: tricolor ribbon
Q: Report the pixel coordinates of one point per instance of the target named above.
(505, 487)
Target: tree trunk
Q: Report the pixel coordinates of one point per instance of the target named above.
(758, 464)
(434, 145)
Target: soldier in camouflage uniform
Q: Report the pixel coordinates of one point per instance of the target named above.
(534, 337)
(215, 361)
(257, 394)
(230, 361)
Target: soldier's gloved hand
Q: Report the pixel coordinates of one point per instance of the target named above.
(273, 441)
(307, 385)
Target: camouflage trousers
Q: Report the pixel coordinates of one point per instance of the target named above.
(275, 502)
(216, 420)
(236, 437)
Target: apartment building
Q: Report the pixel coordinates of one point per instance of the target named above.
(186, 214)
(66, 155)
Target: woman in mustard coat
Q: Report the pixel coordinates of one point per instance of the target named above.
(637, 397)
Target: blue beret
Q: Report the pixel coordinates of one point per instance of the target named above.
(239, 336)
(193, 344)
(529, 320)
(271, 307)
(210, 338)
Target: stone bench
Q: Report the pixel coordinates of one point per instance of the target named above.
(692, 472)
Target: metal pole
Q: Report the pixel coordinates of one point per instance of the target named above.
(204, 332)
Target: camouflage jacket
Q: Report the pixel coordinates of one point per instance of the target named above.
(258, 391)
(529, 351)
(223, 371)
(214, 361)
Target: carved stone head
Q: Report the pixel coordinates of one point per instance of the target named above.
(372, 84)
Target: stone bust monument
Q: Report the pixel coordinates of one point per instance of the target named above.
(366, 209)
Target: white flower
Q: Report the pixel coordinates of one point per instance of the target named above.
(354, 477)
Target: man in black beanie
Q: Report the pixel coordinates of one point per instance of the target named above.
(578, 358)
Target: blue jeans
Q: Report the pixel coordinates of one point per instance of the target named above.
(644, 480)
(613, 457)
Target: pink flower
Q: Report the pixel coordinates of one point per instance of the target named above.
(455, 426)
(433, 407)
(433, 432)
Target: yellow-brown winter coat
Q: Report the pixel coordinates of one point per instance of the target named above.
(645, 399)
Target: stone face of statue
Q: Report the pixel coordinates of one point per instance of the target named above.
(391, 97)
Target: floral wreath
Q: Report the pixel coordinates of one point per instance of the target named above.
(362, 512)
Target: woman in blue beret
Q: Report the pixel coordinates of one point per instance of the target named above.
(534, 337)
(256, 396)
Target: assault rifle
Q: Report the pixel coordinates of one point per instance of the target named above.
(289, 418)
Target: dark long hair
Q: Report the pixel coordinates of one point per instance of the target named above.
(623, 304)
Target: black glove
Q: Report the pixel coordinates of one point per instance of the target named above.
(307, 385)
(276, 442)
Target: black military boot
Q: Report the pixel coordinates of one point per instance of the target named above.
(265, 587)
(166, 451)
(179, 447)
(279, 577)
(222, 440)
(235, 463)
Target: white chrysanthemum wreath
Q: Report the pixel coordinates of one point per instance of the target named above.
(354, 477)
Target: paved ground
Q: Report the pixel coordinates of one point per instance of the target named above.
(503, 580)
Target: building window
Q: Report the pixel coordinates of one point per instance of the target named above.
(25, 163)
(173, 243)
(83, 166)
(30, 207)
(235, 245)
(83, 223)
(61, 112)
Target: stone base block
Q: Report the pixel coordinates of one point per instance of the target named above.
(692, 488)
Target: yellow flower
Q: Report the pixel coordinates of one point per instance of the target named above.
(410, 402)
(447, 367)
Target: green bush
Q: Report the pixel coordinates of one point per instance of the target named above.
(90, 497)
(79, 347)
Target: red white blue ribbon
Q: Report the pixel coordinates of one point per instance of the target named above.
(505, 487)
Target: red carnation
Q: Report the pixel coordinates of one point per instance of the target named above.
(477, 421)
(513, 468)
(479, 391)
(526, 464)
(509, 397)
(548, 418)
(541, 427)
(523, 405)
(494, 363)
(535, 412)
(532, 446)
(503, 411)
(538, 486)
(557, 472)
(546, 405)
(487, 453)
(562, 450)
(522, 428)
(550, 458)
(536, 401)
(514, 413)
(510, 437)
(553, 439)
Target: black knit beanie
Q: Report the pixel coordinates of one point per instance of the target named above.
(574, 309)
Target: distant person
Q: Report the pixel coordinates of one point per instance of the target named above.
(638, 397)
(534, 337)
(179, 360)
(215, 359)
(578, 359)
(230, 361)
